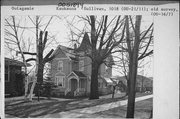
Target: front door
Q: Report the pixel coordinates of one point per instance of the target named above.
(73, 84)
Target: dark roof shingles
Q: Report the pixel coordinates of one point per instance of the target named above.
(79, 74)
(13, 62)
(85, 44)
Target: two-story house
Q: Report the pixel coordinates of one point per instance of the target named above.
(71, 70)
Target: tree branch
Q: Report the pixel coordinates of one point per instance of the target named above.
(30, 59)
(145, 55)
(127, 36)
(27, 53)
(46, 58)
(45, 40)
(147, 46)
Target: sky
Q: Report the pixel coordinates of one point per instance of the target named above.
(59, 31)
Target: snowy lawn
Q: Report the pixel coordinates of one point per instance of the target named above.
(19, 108)
(142, 111)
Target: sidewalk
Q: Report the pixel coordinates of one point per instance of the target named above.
(94, 109)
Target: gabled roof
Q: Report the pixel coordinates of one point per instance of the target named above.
(13, 62)
(77, 74)
(107, 80)
(85, 44)
(80, 74)
(65, 49)
(147, 82)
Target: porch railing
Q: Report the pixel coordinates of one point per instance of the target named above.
(76, 92)
(79, 91)
(66, 91)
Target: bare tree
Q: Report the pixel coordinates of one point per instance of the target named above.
(137, 44)
(40, 60)
(12, 37)
(105, 36)
(41, 44)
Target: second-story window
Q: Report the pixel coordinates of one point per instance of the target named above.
(60, 66)
(81, 65)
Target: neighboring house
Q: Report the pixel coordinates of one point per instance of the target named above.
(71, 70)
(142, 83)
(14, 78)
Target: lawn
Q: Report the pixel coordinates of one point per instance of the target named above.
(19, 108)
(142, 111)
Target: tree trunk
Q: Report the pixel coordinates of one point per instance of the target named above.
(94, 94)
(133, 63)
(127, 89)
(38, 80)
(37, 50)
(26, 86)
(32, 90)
(142, 85)
(131, 91)
(114, 87)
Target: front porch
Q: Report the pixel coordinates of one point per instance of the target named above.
(77, 84)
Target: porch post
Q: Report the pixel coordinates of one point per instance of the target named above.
(69, 85)
(78, 84)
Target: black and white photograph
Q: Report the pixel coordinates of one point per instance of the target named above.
(79, 66)
(90, 64)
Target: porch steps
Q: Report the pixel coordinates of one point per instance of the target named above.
(70, 94)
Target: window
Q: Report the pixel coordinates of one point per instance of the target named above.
(81, 65)
(59, 80)
(6, 74)
(60, 66)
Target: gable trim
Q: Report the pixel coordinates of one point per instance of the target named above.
(74, 74)
(59, 48)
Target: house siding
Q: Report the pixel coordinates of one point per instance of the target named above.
(61, 56)
(69, 65)
(87, 72)
(87, 63)
(11, 84)
(74, 65)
